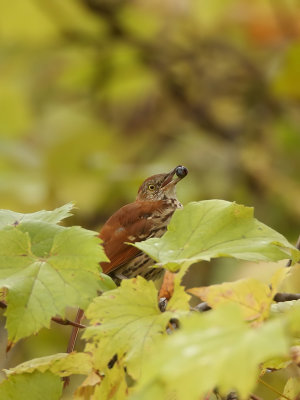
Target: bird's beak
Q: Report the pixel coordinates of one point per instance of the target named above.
(173, 177)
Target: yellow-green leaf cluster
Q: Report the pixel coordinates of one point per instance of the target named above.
(215, 349)
(46, 267)
(126, 322)
(217, 228)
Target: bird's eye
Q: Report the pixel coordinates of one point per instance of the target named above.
(151, 187)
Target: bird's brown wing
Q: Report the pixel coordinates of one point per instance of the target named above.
(131, 223)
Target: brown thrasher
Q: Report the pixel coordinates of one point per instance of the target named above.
(148, 216)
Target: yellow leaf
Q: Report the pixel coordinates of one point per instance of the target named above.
(277, 279)
(291, 389)
(253, 296)
(86, 390)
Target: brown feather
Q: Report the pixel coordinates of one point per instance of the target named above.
(131, 223)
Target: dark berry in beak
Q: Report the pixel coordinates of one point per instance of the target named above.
(181, 171)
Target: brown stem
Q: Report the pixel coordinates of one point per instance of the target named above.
(72, 340)
(76, 324)
(67, 322)
(281, 297)
(75, 331)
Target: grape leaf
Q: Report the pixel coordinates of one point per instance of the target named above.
(214, 349)
(35, 386)
(216, 228)
(276, 363)
(254, 297)
(61, 364)
(87, 388)
(110, 384)
(106, 283)
(8, 217)
(291, 389)
(113, 385)
(45, 268)
(293, 315)
(126, 322)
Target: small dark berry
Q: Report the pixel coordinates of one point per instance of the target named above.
(181, 171)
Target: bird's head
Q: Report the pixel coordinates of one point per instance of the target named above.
(161, 186)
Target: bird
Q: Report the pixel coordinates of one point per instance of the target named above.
(147, 217)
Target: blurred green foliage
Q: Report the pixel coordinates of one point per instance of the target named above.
(95, 95)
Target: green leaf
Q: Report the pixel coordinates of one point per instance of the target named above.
(35, 386)
(45, 268)
(276, 363)
(61, 364)
(110, 384)
(8, 217)
(214, 349)
(126, 322)
(106, 283)
(216, 228)
(294, 319)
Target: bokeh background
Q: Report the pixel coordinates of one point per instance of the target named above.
(96, 95)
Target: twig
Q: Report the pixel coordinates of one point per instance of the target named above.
(58, 320)
(72, 340)
(75, 331)
(281, 297)
(67, 322)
